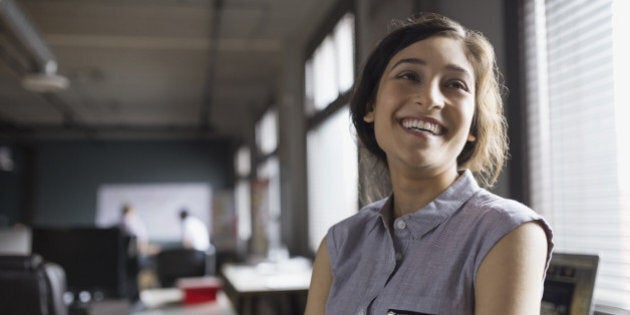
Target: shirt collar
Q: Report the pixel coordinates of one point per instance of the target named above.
(437, 211)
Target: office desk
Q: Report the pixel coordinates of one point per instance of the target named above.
(268, 288)
(168, 302)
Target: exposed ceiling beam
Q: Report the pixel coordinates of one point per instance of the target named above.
(103, 132)
(153, 42)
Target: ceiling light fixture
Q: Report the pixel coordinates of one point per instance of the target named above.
(44, 82)
(47, 82)
(44, 78)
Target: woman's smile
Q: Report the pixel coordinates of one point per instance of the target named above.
(423, 125)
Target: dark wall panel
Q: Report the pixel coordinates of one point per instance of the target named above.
(68, 174)
(13, 183)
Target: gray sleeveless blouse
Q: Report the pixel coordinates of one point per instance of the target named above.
(428, 263)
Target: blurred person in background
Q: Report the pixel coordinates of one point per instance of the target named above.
(194, 232)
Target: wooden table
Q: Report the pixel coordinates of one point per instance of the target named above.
(168, 301)
(274, 288)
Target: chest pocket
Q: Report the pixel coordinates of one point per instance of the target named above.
(414, 306)
(401, 312)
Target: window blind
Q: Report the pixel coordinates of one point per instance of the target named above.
(575, 146)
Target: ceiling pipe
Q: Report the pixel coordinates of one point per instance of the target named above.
(215, 31)
(44, 78)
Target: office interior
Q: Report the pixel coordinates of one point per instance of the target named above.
(222, 106)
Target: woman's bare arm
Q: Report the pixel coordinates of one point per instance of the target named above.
(321, 279)
(509, 280)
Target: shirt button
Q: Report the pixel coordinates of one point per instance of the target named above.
(361, 312)
(401, 225)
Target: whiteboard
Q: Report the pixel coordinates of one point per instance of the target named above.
(157, 205)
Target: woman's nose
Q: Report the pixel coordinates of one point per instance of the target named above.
(430, 95)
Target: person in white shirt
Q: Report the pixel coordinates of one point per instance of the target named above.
(194, 232)
(133, 226)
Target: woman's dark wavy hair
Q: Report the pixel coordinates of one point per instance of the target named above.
(486, 155)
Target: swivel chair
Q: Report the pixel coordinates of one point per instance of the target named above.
(28, 285)
(172, 264)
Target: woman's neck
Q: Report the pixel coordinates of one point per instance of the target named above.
(414, 191)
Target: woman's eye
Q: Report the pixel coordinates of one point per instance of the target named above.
(458, 85)
(409, 76)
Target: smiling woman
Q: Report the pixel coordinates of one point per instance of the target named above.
(428, 106)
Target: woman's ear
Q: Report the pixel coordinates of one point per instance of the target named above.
(471, 138)
(369, 117)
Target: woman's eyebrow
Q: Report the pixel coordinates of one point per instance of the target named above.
(462, 70)
(418, 61)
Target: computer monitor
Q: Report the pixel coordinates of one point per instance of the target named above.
(93, 258)
(569, 284)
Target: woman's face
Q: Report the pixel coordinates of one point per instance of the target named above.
(424, 106)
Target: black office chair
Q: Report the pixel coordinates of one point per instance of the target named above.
(172, 264)
(28, 285)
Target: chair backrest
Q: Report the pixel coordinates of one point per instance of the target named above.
(172, 264)
(28, 285)
(570, 284)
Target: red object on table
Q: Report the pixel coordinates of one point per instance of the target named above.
(199, 289)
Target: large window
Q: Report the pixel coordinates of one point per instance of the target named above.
(242, 193)
(266, 194)
(330, 71)
(267, 133)
(331, 149)
(578, 132)
(269, 179)
(332, 175)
